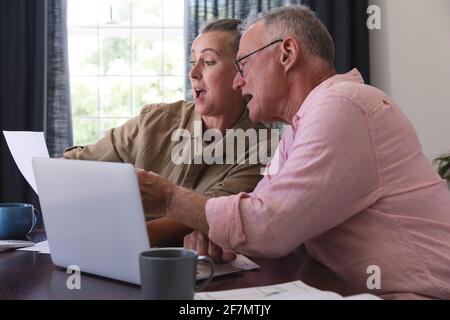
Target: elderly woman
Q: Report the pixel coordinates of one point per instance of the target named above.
(146, 141)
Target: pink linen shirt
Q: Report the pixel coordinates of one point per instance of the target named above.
(354, 186)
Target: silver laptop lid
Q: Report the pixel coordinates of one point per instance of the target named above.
(93, 216)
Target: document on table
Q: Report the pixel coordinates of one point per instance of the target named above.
(41, 247)
(295, 290)
(24, 146)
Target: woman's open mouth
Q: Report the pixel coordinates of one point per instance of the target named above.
(198, 93)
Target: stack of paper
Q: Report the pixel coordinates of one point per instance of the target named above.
(296, 290)
(41, 247)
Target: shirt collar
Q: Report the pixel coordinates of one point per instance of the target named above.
(352, 76)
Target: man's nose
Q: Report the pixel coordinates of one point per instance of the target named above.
(238, 82)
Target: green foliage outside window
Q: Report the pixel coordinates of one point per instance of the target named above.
(116, 70)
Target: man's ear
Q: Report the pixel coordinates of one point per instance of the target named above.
(290, 53)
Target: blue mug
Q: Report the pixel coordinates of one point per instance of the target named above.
(17, 220)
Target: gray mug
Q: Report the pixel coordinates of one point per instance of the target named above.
(171, 273)
(17, 220)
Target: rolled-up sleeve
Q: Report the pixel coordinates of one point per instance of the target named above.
(330, 174)
(118, 145)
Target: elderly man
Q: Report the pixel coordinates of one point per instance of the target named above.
(352, 184)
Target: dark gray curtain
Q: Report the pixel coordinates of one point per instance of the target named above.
(345, 19)
(34, 83)
(58, 127)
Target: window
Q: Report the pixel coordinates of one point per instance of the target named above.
(123, 54)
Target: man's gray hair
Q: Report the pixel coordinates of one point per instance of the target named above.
(300, 22)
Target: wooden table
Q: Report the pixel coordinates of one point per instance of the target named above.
(31, 275)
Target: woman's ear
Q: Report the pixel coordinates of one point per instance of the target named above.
(290, 52)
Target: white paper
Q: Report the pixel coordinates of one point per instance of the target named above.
(241, 263)
(41, 247)
(24, 146)
(295, 290)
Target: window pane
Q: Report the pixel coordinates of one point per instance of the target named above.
(83, 52)
(114, 13)
(147, 52)
(146, 90)
(173, 52)
(115, 52)
(84, 96)
(147, 13)
(86, 131)
(82, 13)
(106, 124)
(173, 89)
(115, 97)
(123, 54)
(173, 13)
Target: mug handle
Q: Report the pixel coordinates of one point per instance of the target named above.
(36, 215)
(205, 282)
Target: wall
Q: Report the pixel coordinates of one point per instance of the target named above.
(410, 60)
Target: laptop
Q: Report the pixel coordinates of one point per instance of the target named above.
(94, 218)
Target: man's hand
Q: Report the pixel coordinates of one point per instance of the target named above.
(199, 242)
(156, 192)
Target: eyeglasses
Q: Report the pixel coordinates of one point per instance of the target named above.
(237, 62)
